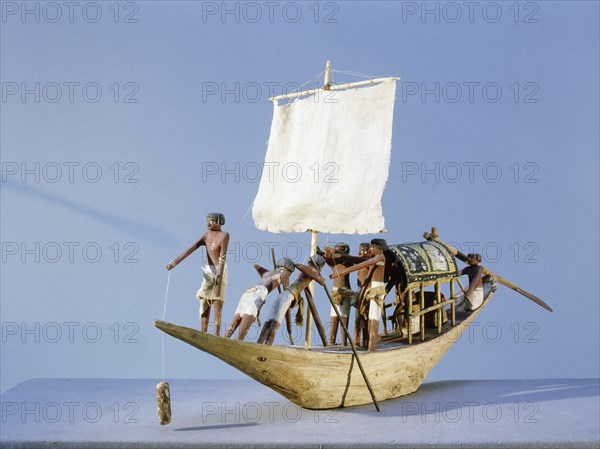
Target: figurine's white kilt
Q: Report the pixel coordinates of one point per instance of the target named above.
(252, 300)
(206, 293)
(375, 310)
(476, 299)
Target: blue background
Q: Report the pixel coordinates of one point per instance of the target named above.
(535, 221)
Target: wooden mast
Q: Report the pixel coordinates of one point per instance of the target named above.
(314, 234)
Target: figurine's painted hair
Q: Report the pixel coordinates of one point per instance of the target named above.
(472, 256)
(342, 248)
(286, 263)
(219, 216)
(316, 261)
(364, 245)
(379, 243)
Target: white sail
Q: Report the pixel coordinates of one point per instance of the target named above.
(327, 162)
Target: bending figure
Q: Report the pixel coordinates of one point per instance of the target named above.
(254, 297)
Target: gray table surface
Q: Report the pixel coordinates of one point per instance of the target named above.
(91, 413)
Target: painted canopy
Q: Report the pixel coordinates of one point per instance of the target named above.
(424, 261)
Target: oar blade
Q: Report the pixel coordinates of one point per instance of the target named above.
(535, 299)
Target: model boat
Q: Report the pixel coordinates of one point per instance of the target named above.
(344, 131)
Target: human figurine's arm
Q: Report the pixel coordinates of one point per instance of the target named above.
(186, 253)
(462, 273)
(311, 273)
(326, 255)
(332, 257)
(474, 280)
(349, 258)
(285, 280)
(367, 280)
(260, 270)
(376, 260)
(221, 265)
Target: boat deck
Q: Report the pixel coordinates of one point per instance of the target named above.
(393, 340)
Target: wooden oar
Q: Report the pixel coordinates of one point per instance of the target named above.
(315, 315)
(362, 370)
(501, 280)
(460, 284)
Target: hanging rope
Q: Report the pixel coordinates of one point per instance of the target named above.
(163, 392)
(163, 318)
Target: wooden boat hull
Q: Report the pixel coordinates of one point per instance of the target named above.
(325, 379)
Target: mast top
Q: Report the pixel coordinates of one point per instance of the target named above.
(326, 84)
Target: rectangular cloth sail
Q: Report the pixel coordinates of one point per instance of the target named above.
(327, 162)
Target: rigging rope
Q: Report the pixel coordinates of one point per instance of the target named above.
(353, 73)
(318, 75)
(247, 210)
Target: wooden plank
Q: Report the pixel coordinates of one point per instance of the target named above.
(408, 314)
(438, 293)
(452, 305)
(433, 307)
(422, 316)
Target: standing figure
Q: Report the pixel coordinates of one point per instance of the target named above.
(361, 323)
(376, 292)
(339, 258)
(214, 283)
(474, 294)
(253, 298)
(290, 297)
